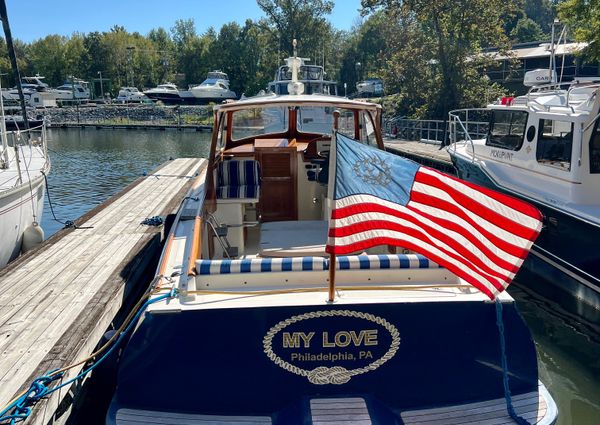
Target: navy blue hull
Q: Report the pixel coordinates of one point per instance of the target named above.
(216, 361)
(566, 252)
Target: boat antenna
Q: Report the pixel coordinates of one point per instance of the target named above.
(294, 87)
(552, 66)
(13, 60)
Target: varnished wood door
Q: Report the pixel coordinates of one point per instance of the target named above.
(278, 194)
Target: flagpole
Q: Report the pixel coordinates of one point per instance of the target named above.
(330, 186)
(331, 277)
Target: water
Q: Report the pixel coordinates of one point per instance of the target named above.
(90, 165)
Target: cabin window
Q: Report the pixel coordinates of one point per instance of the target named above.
(595, 150)
(258, 121)
(346, 123)
(555, 143)
(367, 130)
(315, 119)
(507, 129)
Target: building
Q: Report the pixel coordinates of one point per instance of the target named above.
(524, 57)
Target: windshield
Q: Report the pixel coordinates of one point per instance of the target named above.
(319, 119)
(258, 121)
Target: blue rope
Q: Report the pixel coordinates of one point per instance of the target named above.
(20, 409)
(509, 406)
(153, 221)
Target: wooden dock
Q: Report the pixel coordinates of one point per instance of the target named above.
(57, 301)
(428, 154)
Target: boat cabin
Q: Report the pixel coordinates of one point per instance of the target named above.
(269, 169)
(546, 143)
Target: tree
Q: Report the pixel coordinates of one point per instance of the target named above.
(583, 17)
(527, 30)
(453, 31)
(303, 20)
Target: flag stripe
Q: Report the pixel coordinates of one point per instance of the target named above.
(495, 199)
(401, 221)
(502, 215)
(383, 237)
(447, 216)
(415, 231)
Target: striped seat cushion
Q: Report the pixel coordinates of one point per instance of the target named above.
(238, 179)
(261, 265)
(231, 192)
(350, 262)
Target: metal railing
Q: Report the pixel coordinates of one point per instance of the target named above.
(14, 140)
(464, 125)
(435, 131)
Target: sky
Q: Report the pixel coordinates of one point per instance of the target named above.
(34, 19)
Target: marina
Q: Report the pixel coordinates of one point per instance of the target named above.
(567, 347)
(420, 250)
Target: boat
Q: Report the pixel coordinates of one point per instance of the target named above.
(214, 89)
(253, 319)
(313, 77)
(24, 163)
(544, 147)
(167, 93)
(131, 95)
(74, 90)
(370, 87)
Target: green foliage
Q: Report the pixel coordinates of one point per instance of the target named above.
(527, 30)
(438, 66)
(583, 17)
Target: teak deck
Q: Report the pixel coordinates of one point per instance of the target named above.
(58, 300)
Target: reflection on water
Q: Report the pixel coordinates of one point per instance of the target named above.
(90, 165)
(569, 356)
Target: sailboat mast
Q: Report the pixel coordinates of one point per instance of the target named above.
(13, 59)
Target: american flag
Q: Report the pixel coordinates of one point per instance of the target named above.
(480, 235)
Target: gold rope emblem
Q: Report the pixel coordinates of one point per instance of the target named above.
(336, 375)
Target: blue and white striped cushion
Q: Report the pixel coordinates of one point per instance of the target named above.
(350, 262)
(261, 265)
(388, 261)
(238, 173)
(245, 191)
(238, 179)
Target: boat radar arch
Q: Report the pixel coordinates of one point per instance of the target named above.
(295, 87)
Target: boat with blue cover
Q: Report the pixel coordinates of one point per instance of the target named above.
(252, 320)
(544, 147)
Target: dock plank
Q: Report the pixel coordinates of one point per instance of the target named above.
(58, 301)
(428, 154)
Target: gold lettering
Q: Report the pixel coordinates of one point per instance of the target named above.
(371, 337)
(365, 355)
(291, 340)
(342, 339)
(326, 343)
(306, 338)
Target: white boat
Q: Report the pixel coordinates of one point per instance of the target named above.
(252, 318)
(313, 77)
(214, 89)
(369, 88)
(73, 91)
(23, 163)
(167, 93)
(544, 147)
(131, 95)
